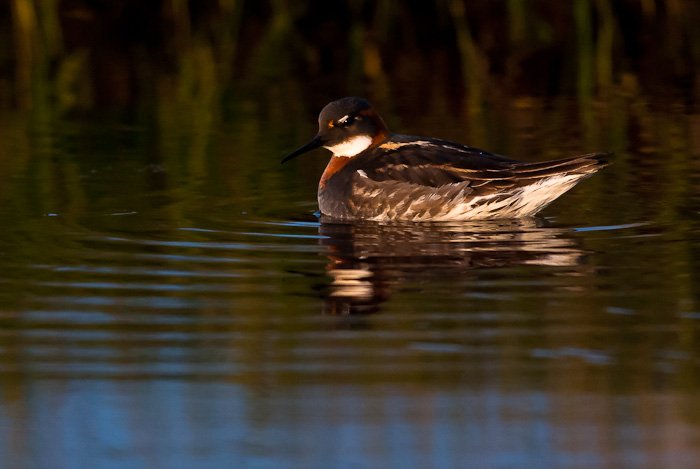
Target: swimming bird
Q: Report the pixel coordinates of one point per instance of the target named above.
(375, 174)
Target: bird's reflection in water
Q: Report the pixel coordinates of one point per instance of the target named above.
(368, 259)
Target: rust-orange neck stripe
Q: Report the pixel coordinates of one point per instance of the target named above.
(334, 165)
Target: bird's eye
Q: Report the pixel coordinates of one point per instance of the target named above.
(346, 121)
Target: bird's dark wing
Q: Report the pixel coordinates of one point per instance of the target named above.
(432, 162)
(436, 163)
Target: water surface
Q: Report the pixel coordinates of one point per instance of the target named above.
(155, 320)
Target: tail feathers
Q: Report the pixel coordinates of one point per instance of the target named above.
(582, 164)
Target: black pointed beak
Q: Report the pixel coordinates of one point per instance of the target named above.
(312, 145)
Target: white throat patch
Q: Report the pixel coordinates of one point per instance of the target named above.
(351, 146)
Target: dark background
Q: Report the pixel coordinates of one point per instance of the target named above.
(82, 56)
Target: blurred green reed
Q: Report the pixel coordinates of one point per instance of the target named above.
(79, 55)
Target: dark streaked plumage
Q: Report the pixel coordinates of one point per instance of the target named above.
(377, 175)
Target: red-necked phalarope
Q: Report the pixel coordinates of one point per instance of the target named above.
(378, 175)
